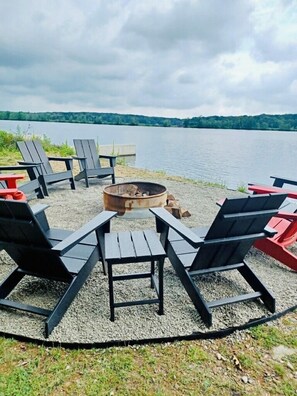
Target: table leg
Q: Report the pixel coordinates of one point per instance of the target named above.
(161, 286)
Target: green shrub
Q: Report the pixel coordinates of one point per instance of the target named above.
(7, 141)
(8, 144)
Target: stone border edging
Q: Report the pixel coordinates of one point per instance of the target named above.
(147, 341)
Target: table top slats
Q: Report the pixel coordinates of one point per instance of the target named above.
(112, 250)
(140, 244)
(154, 243)
(126, 244)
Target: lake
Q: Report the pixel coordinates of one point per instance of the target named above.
(230, 157)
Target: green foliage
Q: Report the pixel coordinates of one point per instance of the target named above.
(92, 118)
(7, 141)
(8, 147)
(242, 188)
(279, 122)
(121, 161)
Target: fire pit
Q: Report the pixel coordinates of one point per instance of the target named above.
(133, 200)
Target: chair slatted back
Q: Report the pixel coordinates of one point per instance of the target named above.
(238, 224)
(32, 151)
(24, 240)
(87, 148)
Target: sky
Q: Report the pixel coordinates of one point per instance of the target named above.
(170, 58)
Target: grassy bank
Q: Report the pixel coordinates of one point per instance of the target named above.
(245, 363)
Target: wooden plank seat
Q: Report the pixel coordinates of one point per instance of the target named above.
(135, 247)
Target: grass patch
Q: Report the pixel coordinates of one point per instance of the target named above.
(242, 188)
(269, 336)
(206, 367)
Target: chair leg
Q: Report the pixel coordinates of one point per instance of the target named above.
(72, 184)
(104, 267)
(257, 285)
(152, 273)
(10, 282)
(58, 312)
(111, 292)
(42, 182)
(190, 287)
(113, 178)
(39, 193)
(86, 178)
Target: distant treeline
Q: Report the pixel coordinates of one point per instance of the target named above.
(278, 122)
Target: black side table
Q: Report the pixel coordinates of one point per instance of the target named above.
(135, 247)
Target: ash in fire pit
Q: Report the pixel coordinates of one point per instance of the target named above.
(133, 200)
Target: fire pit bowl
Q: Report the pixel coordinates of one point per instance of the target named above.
(133, 200)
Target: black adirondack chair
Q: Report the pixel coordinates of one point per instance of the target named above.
(222, 247)
(33, 153)
(43, 252)
(89, 161)
(31, 188)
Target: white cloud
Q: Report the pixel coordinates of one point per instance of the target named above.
(173, 57)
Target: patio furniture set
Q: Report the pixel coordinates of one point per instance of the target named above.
(69, 257)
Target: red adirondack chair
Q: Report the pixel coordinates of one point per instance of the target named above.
(276, 246)
(11, 192)
(259, 189)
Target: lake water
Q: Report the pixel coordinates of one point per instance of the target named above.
(231, 157)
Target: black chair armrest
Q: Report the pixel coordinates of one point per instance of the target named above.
(112, 159)
(33, 168)
(31, 164)
(78, 158)
(269, 231)
(97, 222)
(67, 160)
(280, 181)
(107, 156)
(60, 158)
(17, 167)
(170, 221)
(38, 208)
(39, 213)
(82, 161)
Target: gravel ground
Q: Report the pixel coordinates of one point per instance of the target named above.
(87, 319)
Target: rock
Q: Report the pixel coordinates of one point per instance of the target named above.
(282, 351)
(244, 379)
(290, 366)
(185, 213)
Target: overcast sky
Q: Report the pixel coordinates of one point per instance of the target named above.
(180, 58)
